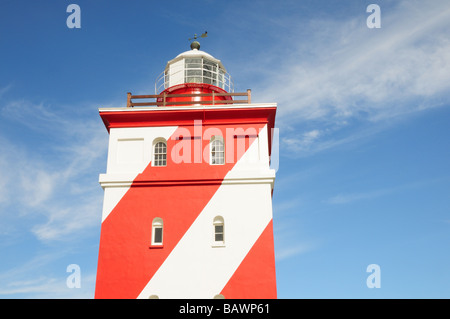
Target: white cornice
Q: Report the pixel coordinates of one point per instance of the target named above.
(174, 108)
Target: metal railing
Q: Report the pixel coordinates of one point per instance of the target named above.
(161, 99)
(214, 76)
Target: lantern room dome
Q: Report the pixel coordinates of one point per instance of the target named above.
(192, 53)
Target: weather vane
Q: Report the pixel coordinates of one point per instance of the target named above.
(195, 45)
(204, 35)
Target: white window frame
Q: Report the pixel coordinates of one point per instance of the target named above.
(218, 221)
(214, 139)
(157, 223)
(154, 160)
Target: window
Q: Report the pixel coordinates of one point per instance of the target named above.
(221, 79)
(200, 70)
(219, 231)
(209, 72)
(217, 151)
(160, 154)
(157, 231)
(193, 70)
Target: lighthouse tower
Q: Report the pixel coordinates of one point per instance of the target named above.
(187, 209)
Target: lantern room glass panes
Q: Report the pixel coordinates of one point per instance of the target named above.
(194, 69)
(200, 70)
(193, 63)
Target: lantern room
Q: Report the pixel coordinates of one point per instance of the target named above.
(193, 78)
(194, 66)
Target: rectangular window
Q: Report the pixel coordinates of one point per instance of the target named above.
(157, 232)
(160, 158)
(217, 152)
(190, 73)
(193, 60)
(157, 235)
(218, 233)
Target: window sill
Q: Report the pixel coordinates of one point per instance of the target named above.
(217, 245)
(156, 246)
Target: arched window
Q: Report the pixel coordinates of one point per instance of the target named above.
(160, 153)
(157, 231)
(217, 150)
(219, 231)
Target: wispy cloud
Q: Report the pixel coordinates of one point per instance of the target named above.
(5, 89)
(49, 163)
(353, 197)
(30, 280)
(71, 220)
(359, 70)
(339, 71)
(286, 252)
(56, 181)
(288, 239)
(346, 198)
(329, 136)
(302, 143)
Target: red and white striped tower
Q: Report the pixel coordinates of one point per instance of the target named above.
(187, 209)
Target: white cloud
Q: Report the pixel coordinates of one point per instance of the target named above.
(293, 250)
(3, 182)
(367, 70)
(341, 70)
(352, 197)
(376, 193)
(32, 279)
(36, 185)
(54, 181)
(302, 143)
(290, 240)
(35, 116)
(5, 89)
(67, 221)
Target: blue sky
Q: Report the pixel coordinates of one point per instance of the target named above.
(363, 116)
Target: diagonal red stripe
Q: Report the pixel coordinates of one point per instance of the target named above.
(255, 276)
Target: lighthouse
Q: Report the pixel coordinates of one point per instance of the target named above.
(187, 210)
